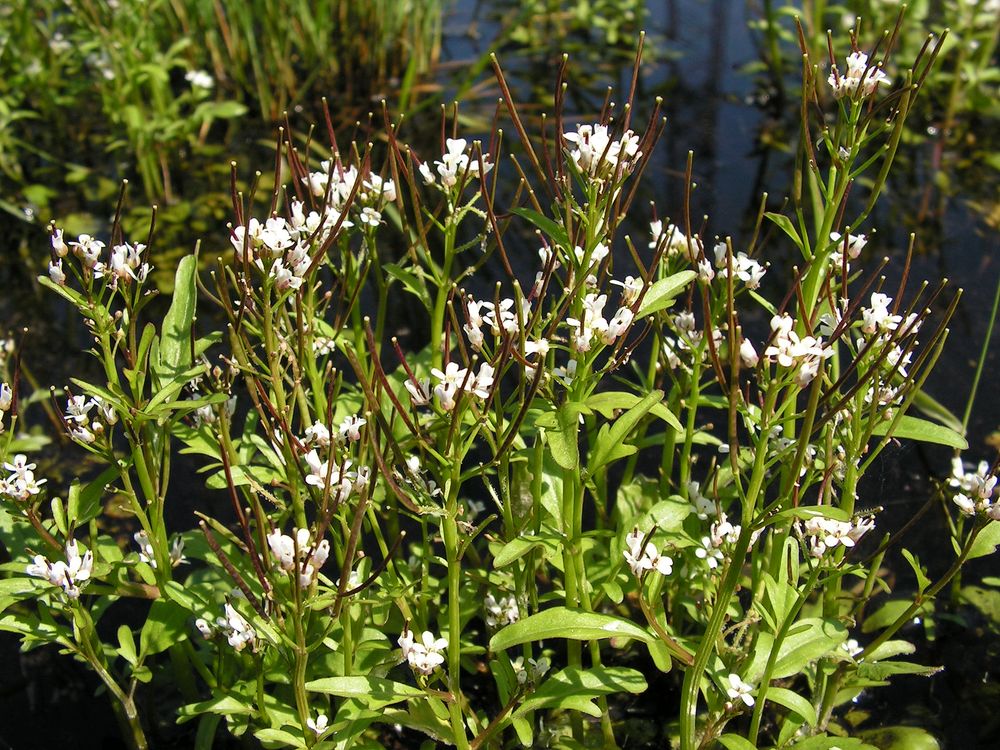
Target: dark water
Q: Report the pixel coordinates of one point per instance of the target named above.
(696, 53)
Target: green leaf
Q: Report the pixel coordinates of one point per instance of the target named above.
(937, 411)
(735, 742)
(900, 738)
(881, 671)
(890, 612)
(562, 438)
(608, 402)
(85, 503)
(410, 281)
(372, 691)
(224, 705)
(793, 702)
(219, 111)
(661, 294)
(175, 337)
(809, 639)
(126, 645)
(554, 231)
(287, 739)
(573, 685)
(610, 439)
(914, 428)
(922, 580)
(563, 622)
(786, 226)
(166, 624)
(207, 727)
(522, 545)
(825, 742)
(986, 542)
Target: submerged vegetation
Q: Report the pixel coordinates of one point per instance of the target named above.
(428, 445)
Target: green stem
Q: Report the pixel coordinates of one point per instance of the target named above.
(692, 678)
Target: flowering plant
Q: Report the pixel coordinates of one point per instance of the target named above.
(549, 488)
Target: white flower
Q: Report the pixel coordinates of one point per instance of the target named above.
(6, 397)
(351, 427)
(855, 244)
(318, 725)
(318, 434)
(146, 553)
(533, 673)
(58, 244)
(802, 354)
(239, 633)
(504, 612)
(284, 277)
(370, 216)
(248, 236)
(748, 355)
(977, 489)
(859, 76)
(69, 574)
(21, 483)
(703, 506)
(199, 79)
(747, 270)
(539, 347)
(878, 317)
(641, 558)
(631, 289)
(596, 155)
(824, 534)
(425, 655)
(709, 552)
(88, 250)
(739, 690)
(705, 272)
(56, 272)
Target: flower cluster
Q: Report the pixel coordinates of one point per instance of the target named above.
(454, 379)
(745, 268)
(455, 165)
(425, 655)
(78, 421)
(533, 672)
(338, 476)
(335, 184)
(349, 429)
(125, 264)
(297, 554)
(147, 554)
(642, 557)
(70, 574)
(824, 534)
(20, 484)
(500, 318)
(239, 633)
(854, 244)
(596, 154)
(859, 76)
(677, 243)
(592, 325)
(975, 489)
(804, 354)
(877, 318)
(504, 612)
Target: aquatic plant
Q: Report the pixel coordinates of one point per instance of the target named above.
(638, 451)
